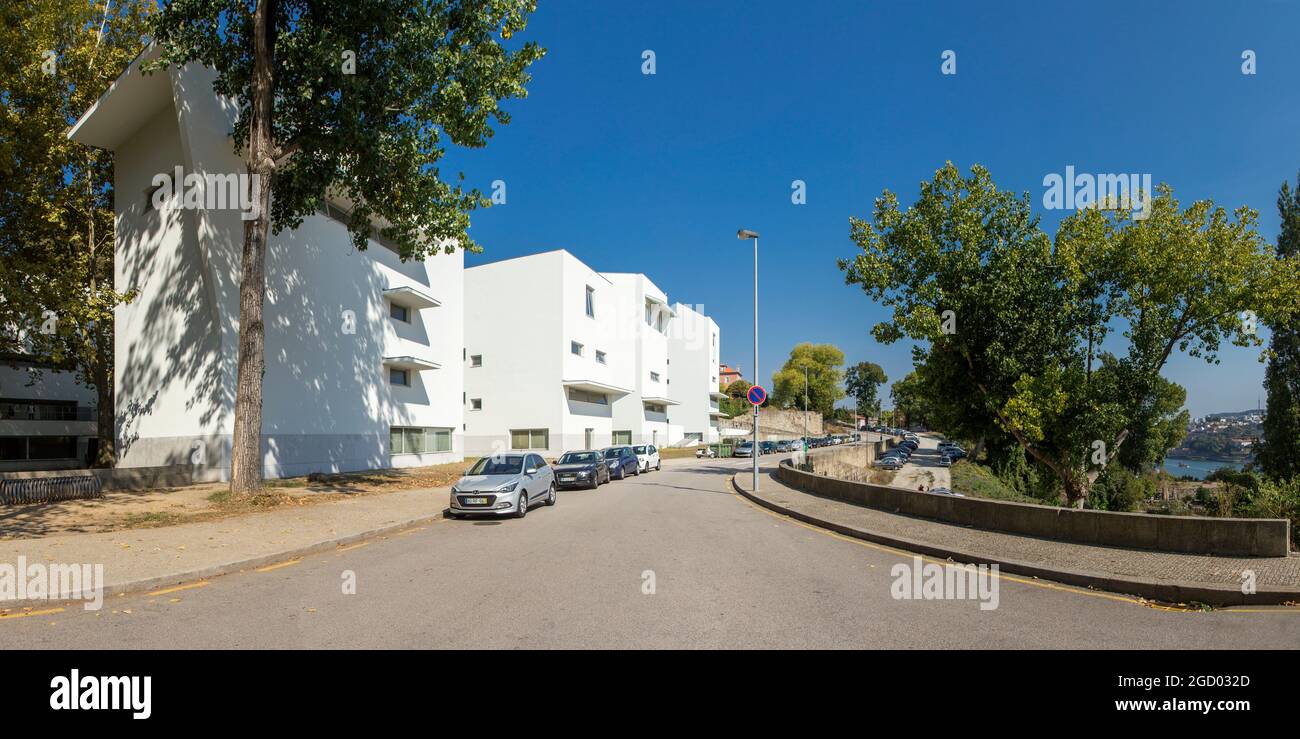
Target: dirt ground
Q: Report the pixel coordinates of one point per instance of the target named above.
(209, 501)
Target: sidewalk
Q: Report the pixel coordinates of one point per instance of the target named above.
(1164, 576)
(148, 558)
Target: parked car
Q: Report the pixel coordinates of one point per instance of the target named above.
(581, 470)
(767, 447)
(745, 449)
(707, 452)
(647, 456)
(503, 484)
(945, 491)
(622, 461)
(944, 461)
(888, 463)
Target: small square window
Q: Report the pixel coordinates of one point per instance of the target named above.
(399, 312)
(476, 404)
(575, 348)
(654, 377)
(600, 357)
(476, 360)
(399, 376)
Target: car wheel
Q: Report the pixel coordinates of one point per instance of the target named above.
(523, 504)
(659, 465)
(550, 498)
(622, 472)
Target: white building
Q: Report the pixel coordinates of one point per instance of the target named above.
(362, 351)
(559, 356)
(694, 342)
(47, 419)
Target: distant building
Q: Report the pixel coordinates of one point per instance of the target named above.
(727, 375)
(47, 419)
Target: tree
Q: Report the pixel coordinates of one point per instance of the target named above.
(736, 403)
(1279, 451)
(823, 362)
(357, 97)
(862, 382)
(56, 207)
(1030, 312)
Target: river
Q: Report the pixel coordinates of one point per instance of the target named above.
(1197, 468)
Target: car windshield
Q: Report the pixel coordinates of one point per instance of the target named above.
(580, 457)
(614, 453)
(639, 449)
(500, 465)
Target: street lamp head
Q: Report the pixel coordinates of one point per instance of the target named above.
(745, 233)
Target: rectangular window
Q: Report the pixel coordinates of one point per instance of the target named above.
(414, 440)
(399, 376)
(654, 377)
(530, 438)
(591, 302)
(587, 397)
(600, 357)
(476, 360)
(399, 312)
(575, 348)
(476, 404)
(649, 306)
(622, 437)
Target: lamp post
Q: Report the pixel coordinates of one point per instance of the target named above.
(743, 234)
(805, 412)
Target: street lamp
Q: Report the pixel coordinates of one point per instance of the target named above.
(743, 234)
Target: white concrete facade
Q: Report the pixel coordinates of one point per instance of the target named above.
(333, 338)
(694, 345)
(560, 357)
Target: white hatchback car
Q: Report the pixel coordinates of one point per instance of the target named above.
(648, 456)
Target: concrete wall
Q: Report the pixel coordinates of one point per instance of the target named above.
(1236, 537)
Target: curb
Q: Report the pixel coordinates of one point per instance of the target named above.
(226, 568)
(1166, 591)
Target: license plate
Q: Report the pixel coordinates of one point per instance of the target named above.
(566, 477)
(476, 501)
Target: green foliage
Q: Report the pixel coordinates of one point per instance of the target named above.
(1117, 489)
(56, 209)
(978, 481)
(823, 363)
(1278, 453)
(1279, 499)
(1024, 360)
(425, 75)
(862, 382)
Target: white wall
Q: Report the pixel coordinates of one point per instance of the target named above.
(693, 346)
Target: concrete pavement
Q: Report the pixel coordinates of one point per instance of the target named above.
(670, 559)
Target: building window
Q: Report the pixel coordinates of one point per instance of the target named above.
(530, 438)
(575, 348)
(654, 377)
(399, 376)
(587, 397)
(399, 312)
(600, 357)
(476, 404)
(476, 360)
(656, 408)
(591, 302)
(622, 437)
(407, 440)
(649, 308)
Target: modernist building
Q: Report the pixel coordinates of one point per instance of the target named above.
(363, 351)
(47, 419)
(693, 349)
(559, 356)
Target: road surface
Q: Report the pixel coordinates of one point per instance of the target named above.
(725, 573)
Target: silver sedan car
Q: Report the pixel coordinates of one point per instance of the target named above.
(503, 485)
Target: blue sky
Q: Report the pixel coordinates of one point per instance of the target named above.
(655, 173)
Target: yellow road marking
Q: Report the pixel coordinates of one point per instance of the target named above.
(277, 566)
(164, 591)
(352, 546)
(1012, 578)
(24, 614)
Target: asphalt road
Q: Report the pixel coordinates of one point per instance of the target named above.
(726, 573)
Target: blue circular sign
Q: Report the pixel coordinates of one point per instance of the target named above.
(757, 395)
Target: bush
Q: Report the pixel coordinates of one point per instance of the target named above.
(1279, 500)
(1117, 489)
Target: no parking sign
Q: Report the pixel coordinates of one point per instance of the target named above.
(757, 395)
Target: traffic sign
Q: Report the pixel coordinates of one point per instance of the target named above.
(757, 395)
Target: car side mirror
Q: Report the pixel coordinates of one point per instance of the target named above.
(531, 471)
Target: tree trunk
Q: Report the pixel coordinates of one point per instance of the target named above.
(246, 445)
